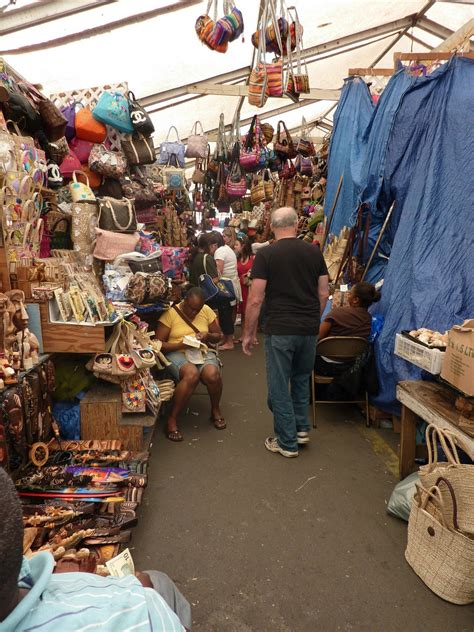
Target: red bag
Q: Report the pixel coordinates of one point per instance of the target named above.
(70, 164)
(82, 148)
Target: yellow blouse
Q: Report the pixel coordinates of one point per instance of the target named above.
(178, 328)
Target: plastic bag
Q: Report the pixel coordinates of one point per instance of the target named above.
(401, 499)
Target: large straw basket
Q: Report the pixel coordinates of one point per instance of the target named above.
(442, 557)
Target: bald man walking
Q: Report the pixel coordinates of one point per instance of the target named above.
(291, 276)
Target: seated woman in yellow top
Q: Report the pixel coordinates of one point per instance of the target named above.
(189, 365)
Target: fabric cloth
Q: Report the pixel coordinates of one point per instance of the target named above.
(228, 256)
(178, 359)
(428, 171)
(350, 321)
(291, 268)
(290, 362)
(80, 601)
(173, 597)
(242, 270)
(179, 328)
(197, 268)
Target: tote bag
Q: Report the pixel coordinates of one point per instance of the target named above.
(113, 109)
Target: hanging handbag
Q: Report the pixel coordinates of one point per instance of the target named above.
(283, 145)
(138, 150)
(107, 162)
(199, 173)
(88, 128)
(222, 151)
(267, 131)
(81, 192)
(169, 148)
(250, 152)
(197, 143)
(174, 178)
(257, 190)
(236, 183)
(288, 170)
(304, 166)
(258, 79)
(301, 76)
(141, 121)
(109, 245)
(268, 186)
(69, 164)
(117, 215)
(82, 148)
(305, 146)
(84, 222)
(148, 288)
(69, 113)
(113, 109)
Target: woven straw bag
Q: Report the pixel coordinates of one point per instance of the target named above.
(461, 477)
(84, 222)
(441, 556)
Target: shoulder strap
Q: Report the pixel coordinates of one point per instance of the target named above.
(204, 263)
(186, 319)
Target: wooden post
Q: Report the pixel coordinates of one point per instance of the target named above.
(458, 38)
(407, 442)
(379, 238)
(331, 214)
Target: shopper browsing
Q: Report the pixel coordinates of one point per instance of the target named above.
(226, 261)
(32, 598)
(291, 276)
(177, 328)
(245, 259)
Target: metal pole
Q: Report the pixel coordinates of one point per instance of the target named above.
(379, 238)
(331, 214)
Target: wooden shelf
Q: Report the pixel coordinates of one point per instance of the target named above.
(66, 338)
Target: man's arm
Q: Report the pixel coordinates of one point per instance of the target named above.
(254, 305)
(323, 291)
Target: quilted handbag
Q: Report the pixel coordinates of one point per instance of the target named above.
(110, 245)
(283, 145)
(106, 162)
(117, 215)
(88, 128)
(69, 113)
(113, 109)
(170, 149)
(81, 192)
(139, 150)
(148, 288)
(84, 222)
(82, 148)
(69, 164)
(197, 143)
(140, 118)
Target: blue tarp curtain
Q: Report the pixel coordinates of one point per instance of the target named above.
(350, 121)
(429, 171)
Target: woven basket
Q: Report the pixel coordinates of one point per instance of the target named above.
(459, 475)
(442, 557)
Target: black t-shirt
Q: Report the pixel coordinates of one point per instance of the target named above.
(291, 268)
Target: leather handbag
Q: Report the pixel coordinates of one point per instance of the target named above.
(82, 148)
(81, 192)
(88, 128)
(170, 149)
(199, 173)
(197, 143)
(69, 164)
(106, 162)
(141, 263)
(141, 121)
(58, 149)
(283, 145)
(139, 150)
(113, 109)
(110, 245)
(111, 187)
(117, 215)
(148, 288)
(53, 119)
(305, 146)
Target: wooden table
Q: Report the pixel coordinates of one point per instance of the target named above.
(434, 403)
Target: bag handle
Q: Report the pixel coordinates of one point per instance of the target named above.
(169, 132)
(194, 129)
(82, 174)
(108, 204)
(300, 61)
(186, 319)
(65, 218)
(451, 451)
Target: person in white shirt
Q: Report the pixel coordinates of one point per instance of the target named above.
(226, 261)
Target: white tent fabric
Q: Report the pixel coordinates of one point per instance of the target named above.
(163, 52)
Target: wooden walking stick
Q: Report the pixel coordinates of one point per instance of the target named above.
(379, 239)
(331, 214)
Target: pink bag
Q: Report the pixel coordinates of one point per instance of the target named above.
(110, 245)
(82, 148)
(70, 164)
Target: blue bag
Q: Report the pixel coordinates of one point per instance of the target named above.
(223, 289)
(172, 152)
(113, 109)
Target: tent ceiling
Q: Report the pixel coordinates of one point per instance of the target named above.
(152, 45)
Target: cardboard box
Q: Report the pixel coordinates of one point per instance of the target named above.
(458, 363)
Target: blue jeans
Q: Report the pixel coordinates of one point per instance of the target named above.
(290, 361)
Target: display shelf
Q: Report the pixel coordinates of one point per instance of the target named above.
(430, 360)
(21, 374)
(66, 338)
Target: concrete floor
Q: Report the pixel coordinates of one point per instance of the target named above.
(259, 543)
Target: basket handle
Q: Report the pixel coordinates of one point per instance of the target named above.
(441, 479)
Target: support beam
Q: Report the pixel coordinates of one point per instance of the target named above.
(458, 38)
(370, 72)
(417, 40)
(242, 91)
(434, 28)
(42, 12)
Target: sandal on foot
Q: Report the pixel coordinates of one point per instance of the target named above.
(219, 423)
(174, 435)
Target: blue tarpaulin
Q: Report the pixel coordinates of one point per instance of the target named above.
(350, 121)
(429, 171)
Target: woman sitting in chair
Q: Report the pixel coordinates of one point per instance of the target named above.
(191, 318)
(351, 320)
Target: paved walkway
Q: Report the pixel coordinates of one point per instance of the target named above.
(259, 543)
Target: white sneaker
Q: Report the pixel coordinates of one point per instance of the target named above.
(302, 438)
(271, 443)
